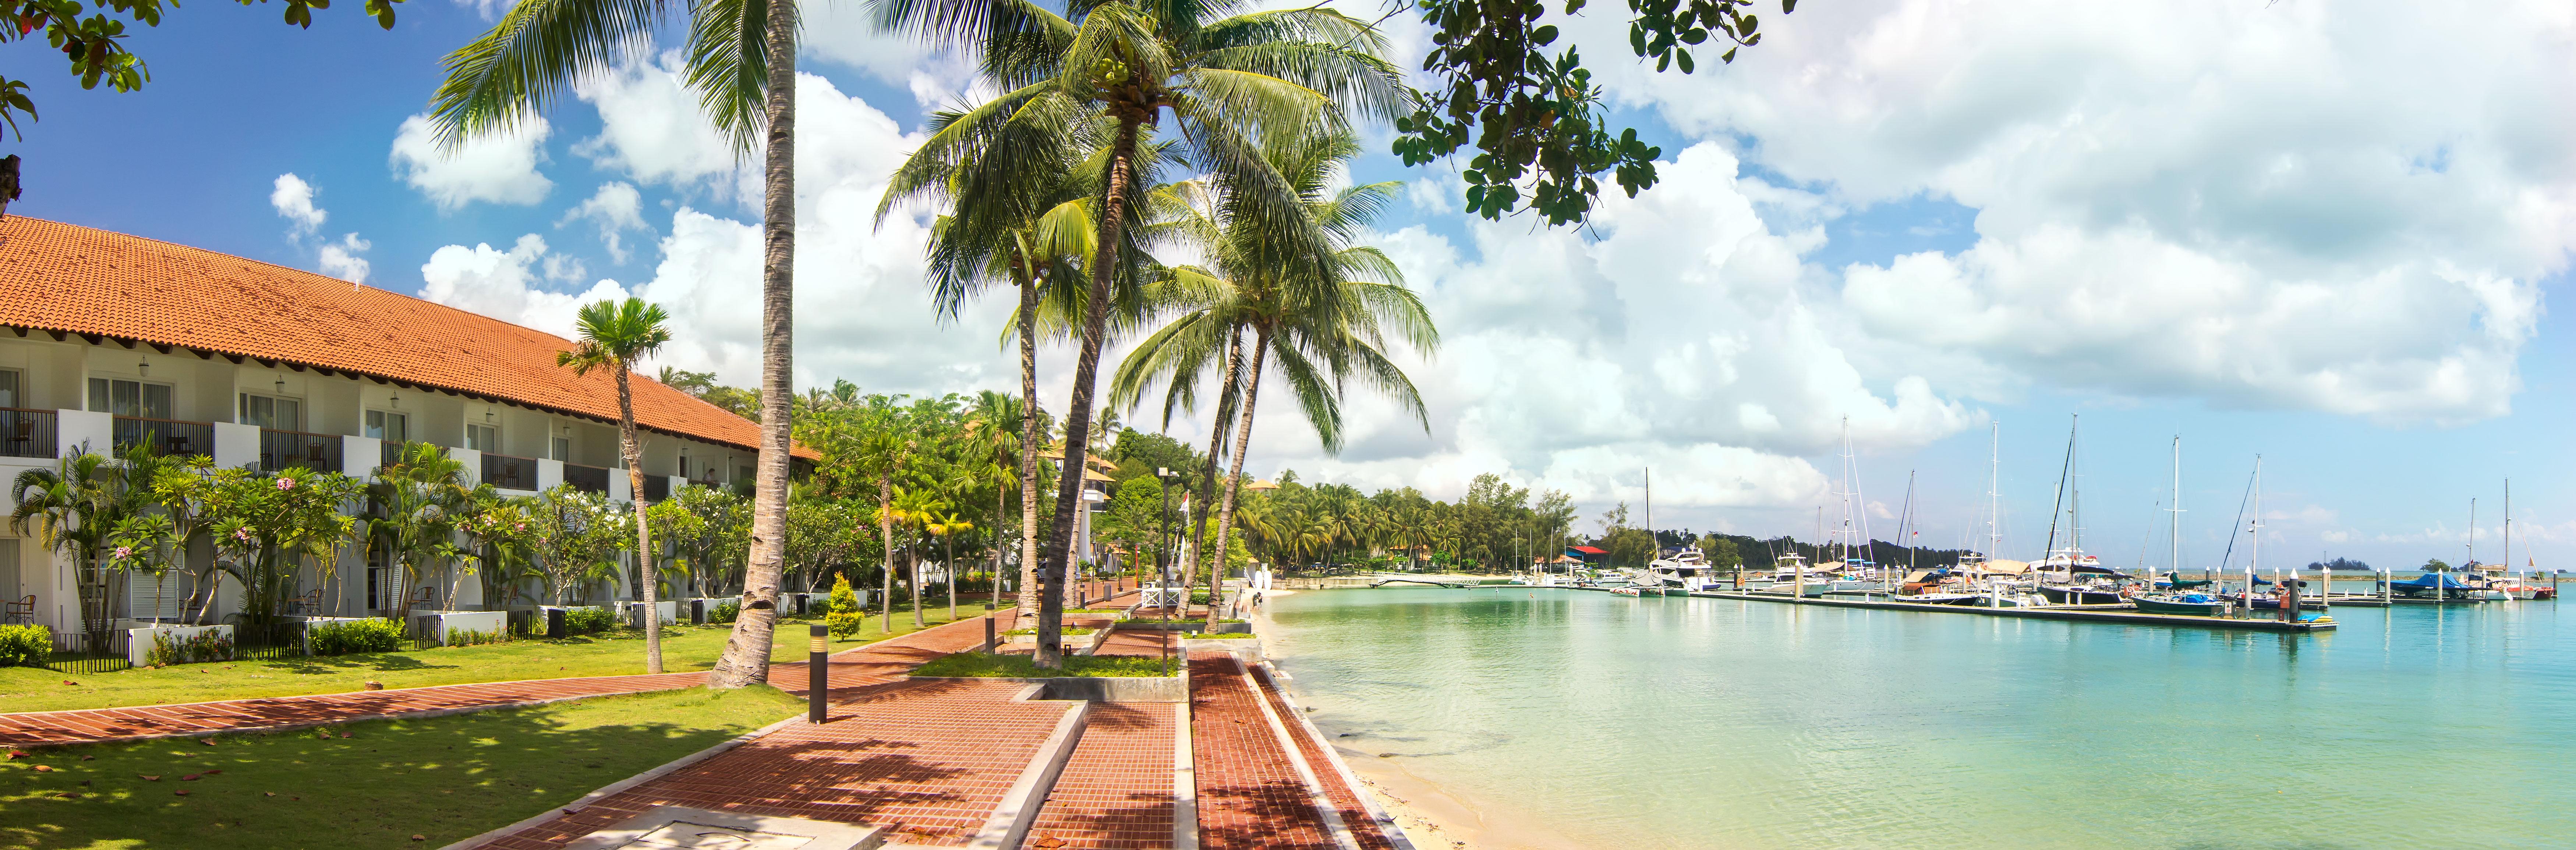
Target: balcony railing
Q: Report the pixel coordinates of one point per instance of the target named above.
(279, 450)
(656, 488)
(26, 433)
(591, 478)
(388, 452)
(166, 436)
(510, 473)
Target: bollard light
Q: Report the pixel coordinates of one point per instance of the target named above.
(817, 672)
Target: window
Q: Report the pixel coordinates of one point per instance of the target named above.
(563, 448)
(744, 473)
(129, 398)
(483, 438)
(8, 398)
(283, 414)
(389, 427)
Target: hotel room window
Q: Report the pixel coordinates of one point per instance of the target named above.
(483, 438)
(282, 414)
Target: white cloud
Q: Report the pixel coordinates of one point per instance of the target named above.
(2244, 203)
(651, 128)
(340, 259)
(616, 208)
(293, 199)
(1688, 336)
(504, 285)
(500, 169)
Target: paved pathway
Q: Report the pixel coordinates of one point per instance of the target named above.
(1116, 791)
(1249, 794)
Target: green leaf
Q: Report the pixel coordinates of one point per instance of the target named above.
(1684, 55)
(1787, 6)
(1544, 35)
(1573, 6)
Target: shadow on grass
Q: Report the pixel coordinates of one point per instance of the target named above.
(444, 778)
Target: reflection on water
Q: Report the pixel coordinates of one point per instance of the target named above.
(1715, 723)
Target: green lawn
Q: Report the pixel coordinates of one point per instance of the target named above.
(683, 648)
(443, 778)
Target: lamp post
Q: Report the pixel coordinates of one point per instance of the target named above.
(1163, 561)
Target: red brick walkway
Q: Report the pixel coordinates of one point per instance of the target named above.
(1249, 793)
(1354, 814)
(1116, 791)
(927, 761)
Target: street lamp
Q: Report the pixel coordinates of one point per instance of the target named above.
(1163, 561)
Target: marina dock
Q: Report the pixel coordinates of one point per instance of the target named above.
(2081, 613)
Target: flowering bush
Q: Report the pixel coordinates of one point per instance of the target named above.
(169, 648)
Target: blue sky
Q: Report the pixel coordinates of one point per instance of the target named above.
(2231, 224)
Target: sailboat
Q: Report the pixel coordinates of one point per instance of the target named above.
(2181, 600)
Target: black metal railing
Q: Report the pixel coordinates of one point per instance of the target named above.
(166, 436)
(656, 488)
(26, 432)
(388, 452)
(279, 450)
(591, 478)
(510, 473)
(74, 652)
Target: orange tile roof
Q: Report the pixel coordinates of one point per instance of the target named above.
(73, 279)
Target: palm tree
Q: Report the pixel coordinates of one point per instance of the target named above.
(423, 498)
(990, 429)
(614, 335)
(1321, 325)
(742, 63)
(74, 508)
(1226, 81)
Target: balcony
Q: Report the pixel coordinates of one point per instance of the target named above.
(169, 437)
(656, 488)
(388, 452)
(588, 478)
(510, 473)
(26, 433)
(280, 450)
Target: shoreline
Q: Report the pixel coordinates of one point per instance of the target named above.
(1432, 817)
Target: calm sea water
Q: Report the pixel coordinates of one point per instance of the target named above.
(1631, 723)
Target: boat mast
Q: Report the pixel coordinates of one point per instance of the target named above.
(2176, 564)
(2508, 525)
(1654, 551)
(2472, 565)
(1994, 503)
(2257, 528)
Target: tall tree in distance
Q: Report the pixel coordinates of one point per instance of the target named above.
(616, 335)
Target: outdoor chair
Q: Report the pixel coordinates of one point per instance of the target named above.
(18, 610)
(309, 603)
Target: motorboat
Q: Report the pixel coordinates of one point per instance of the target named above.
(1685, 571)
(2070, 577)
(2183, 604)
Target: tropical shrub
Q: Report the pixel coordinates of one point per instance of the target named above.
(726, 612)
(470, 637)
(588, 621)
(355, 636)
(26, 646)
(843, 617)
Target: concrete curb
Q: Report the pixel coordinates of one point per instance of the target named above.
(1173, 688)
(1012, 819)
(1315, 795)
(1185, 776)
(1386, 824)
(621, 785)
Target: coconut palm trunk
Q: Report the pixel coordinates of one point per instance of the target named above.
(1086, 373)
(1207, 481)
(746, 655)
(1028, 446)
(1234, 472)
(632, 450)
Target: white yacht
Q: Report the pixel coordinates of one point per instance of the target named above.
(1687, 571)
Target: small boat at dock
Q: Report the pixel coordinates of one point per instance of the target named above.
(2184, 604)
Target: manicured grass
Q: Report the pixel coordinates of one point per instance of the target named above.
(684, 648)
(1012, 665)
(445, 778)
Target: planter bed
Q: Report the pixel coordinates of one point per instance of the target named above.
(1223, 626)
(1098, 679)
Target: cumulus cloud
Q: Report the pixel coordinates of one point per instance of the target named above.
(341, 259)
(1689, 336)
(508, 285)
(651, 128)
(293, 199)
(616, 208)
(2236, 202)
(500, 169)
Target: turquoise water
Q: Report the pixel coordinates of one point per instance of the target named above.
(1629, 723)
